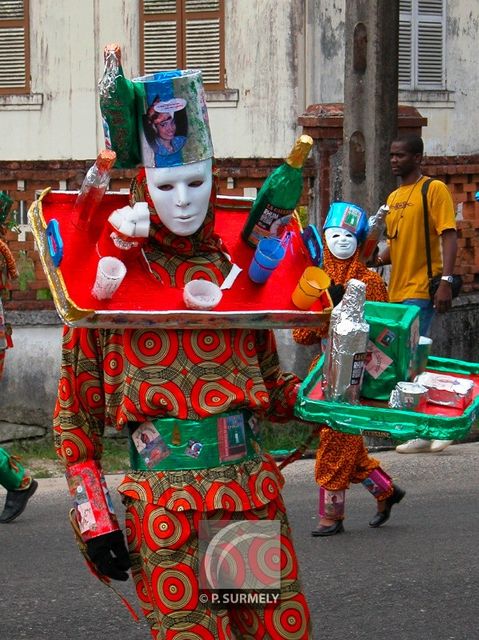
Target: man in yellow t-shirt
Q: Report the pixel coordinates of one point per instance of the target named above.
(406, 250)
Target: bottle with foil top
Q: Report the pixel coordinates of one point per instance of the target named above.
(274, 205)
(92, 191)
(118, 111)
(347, 347)
(377, 228)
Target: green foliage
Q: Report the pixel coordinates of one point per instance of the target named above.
(44, 294)
(281, 438)
(39, 456)
(303, 215)
(26, 270)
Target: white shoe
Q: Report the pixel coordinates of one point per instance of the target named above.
(418, 445)
(440, 445)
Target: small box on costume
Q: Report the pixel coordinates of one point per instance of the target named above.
(393, 340)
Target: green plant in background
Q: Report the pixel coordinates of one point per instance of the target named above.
(44, 294)
(26, 270)
(8, 216)
(303, 215)
(280, 439)
(39, 456)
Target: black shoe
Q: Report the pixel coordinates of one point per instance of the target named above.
(383, 516)
(17, 501)
(329, 530)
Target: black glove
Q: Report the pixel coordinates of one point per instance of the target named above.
(336, 291)
(109, 554)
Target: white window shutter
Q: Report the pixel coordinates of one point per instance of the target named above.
(430, 44)
(421, 44)
(405, 54)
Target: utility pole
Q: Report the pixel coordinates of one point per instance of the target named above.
(370, 100)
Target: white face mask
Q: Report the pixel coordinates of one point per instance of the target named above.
(181, 195)
(341, 243)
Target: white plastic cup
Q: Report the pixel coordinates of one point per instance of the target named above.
(201, 294)
(109, 275)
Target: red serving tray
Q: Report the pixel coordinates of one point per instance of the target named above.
(143, 301)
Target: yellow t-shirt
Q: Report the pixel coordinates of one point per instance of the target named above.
(405, 231)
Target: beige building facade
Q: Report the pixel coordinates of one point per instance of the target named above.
(279, 57)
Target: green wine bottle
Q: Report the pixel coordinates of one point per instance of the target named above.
(274, 205)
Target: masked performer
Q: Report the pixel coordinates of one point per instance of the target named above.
(343, 458)
(189, 400)
(17, 481)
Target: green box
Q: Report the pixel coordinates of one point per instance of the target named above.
(394, 334)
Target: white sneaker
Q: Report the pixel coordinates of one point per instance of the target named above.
(418, 445)
(440, 445)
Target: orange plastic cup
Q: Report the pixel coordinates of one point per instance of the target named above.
(310, 287)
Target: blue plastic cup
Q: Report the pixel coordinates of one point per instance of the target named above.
(269, 253)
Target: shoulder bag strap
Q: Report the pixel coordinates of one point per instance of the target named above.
(424, 190)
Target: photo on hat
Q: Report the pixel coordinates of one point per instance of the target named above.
(166, 127)
(173, 124)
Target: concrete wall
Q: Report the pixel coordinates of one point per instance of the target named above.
(29, 386)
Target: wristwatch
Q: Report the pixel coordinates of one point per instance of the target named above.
(447, 279)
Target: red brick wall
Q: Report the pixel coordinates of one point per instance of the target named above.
(461, 174)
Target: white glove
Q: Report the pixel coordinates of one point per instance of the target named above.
(133, 222)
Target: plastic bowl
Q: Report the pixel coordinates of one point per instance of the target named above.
(202, 294)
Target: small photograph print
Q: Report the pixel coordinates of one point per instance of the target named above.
(193, 448)
(149, 444)
(231, 437)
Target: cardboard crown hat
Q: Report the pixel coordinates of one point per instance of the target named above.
(348, 216)
(156, 120)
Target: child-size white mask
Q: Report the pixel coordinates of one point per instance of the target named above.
(341, 243)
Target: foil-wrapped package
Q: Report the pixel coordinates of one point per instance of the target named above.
(347, 347)
(449, 391)
(410, 396)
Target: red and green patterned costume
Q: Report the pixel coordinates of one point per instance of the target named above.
(116, 377)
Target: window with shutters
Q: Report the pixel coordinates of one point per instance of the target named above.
(184, 34)
(14, 47)
(421, 44)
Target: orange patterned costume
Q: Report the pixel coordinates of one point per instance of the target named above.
(123, 377)
(342, 458)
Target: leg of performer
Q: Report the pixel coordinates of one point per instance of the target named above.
(287, 616)
(387, 494)
(163, 549)
(19, 484)
(331, 512)
(164, 552)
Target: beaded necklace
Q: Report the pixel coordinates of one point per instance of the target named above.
(394, 235)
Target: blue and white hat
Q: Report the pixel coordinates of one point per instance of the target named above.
(349, 216)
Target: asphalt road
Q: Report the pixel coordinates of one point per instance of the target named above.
(416, 578)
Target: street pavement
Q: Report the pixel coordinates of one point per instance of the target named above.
(416, 578)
